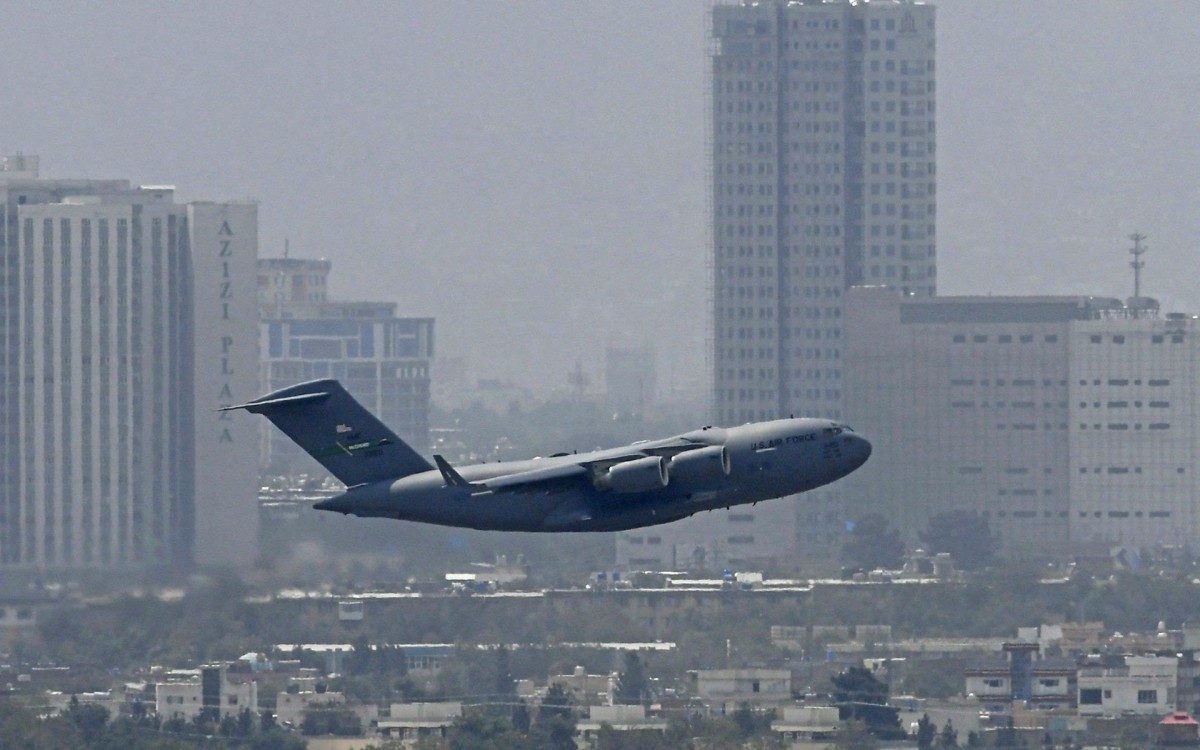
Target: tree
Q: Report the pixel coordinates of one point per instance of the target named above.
(556, 719)
(926, 731)
(481, 731)
(873, 544)
(633, 687)
(964, 535)
(948, 739)
(859, 695)
(504, 685)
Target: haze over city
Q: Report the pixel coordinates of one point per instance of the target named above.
(533, 174)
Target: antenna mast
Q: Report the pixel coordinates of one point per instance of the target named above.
(1137, 264)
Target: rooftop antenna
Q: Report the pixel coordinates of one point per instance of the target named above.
(1137, 264)
(285, 247)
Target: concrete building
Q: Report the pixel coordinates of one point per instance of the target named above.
(125, 327)
(824, 171)
(1059, 419)
(1141, 685)
(408, 723)
(207, 688)
(723, 690)
(382, 359)
(1134, 431)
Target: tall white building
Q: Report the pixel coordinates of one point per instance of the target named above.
(116, 355)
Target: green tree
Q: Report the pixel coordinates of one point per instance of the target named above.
(859, 695)
(965, 535)
(89, 718)
(873, 544)
(926, 731)
(505, 687)
(633, 686)
(482, 731)
(948, 738)
(556, 719)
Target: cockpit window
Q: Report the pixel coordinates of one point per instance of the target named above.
(836, 429)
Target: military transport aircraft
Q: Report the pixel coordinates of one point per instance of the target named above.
(642, 484)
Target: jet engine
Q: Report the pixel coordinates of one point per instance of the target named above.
(701, 465)
(640, 475)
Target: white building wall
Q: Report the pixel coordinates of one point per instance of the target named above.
(1145, 686)
(103, 465)
(224, 249)
(1134, 433)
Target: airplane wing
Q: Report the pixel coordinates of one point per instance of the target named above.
(538, 479)
(553, 478)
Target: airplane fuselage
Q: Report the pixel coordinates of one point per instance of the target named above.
(759, 461)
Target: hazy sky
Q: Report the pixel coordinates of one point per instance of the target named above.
(533, 174)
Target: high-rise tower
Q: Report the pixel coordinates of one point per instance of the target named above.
(823, 178)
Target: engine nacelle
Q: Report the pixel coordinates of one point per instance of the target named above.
(701, 465)
(640, 475)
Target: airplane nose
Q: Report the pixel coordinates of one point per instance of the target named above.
(858, 451)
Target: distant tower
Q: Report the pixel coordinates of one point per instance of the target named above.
(1137, 264)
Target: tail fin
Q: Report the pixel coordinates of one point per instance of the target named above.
(326, 421)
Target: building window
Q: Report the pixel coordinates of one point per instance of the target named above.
(1089, 697)
(1147, 696)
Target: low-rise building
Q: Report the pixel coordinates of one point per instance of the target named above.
(187, 693)
(409, 722)
(723, 690)
(806, 723)
(1129, 685)
(619, 718)
(290, 707)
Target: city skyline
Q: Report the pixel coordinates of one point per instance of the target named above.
(1082, 138)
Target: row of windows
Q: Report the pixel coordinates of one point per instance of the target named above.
(1001, 405)
(982, 338)
(1153, 382)
(1125, 404)
(1015, 382)
(1119, 470)
(1126, 514)
(1176, 338)
(1126, 426)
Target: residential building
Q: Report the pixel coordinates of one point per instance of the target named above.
(806, 723)
(824, 174)
(1022, 680)
(619, 719)
(1061, 420)
(723, 690)
(1136, 685)
(291, 706)
(207, 688)
(408, 723)
(125, 328)
(381, 359)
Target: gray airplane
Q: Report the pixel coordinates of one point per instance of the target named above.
(642, 484)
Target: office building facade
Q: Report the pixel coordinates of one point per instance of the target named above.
(104, 450)
(382, 360)
(1064, 421)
